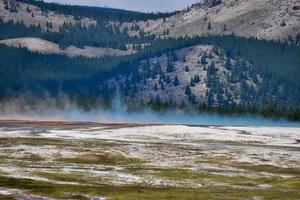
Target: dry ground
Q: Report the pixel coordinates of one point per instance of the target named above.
(69, 160)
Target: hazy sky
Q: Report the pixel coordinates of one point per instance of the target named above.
(140, 5)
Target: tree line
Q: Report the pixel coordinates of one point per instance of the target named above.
(24, 72)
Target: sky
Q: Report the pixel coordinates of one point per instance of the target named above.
(137, 5)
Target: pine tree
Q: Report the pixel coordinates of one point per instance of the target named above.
(155, 87)
(209, 26)
(224, 28)
(157, 99)
(162, 87)
(28, 9)
(203, 60)
(192, 84)
(187, 69)
(168, 79)
(176, 81)
(188, 91)
(168, 31)
(215, 50)
(196, 79)
(170, 67)
(227, 63)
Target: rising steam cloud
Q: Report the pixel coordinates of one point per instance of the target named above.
(62, 109)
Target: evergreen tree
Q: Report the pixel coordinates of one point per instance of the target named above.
(192, 84)
(187, 69)
(196, 79)
(170, 66)
(209, 26)
(203, 60)
(227, 63)
(28, 9)
(155, 87)
(168, 79)
(176, 81)
(157, 99)
(188, 91)
(162, 87)
(224, 28)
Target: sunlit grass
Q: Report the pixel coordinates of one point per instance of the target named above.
(101, 159)
(65, 191)
(83, 185)
(6, 197)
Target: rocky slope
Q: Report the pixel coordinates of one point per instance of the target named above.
(267, 19)
(201, 75)
(32, 15)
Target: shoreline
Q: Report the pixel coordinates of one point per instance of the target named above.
(74, 124)
(65, 123)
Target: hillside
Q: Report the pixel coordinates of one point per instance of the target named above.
(33, 15)
(203, 75)
(100, 103)
(69, 25)
(46, 47)
(265, 19)
(235, 55)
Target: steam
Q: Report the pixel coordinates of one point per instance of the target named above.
(62, 109)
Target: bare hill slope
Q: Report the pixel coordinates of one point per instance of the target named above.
(267, 19)
(32, 15)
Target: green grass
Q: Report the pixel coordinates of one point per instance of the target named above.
(269, 169)
(282, 188)
(6, 197)
(101, 159)
(227, 161)
(65, 191)
(26, 157)
(31, 157)
(206, 178)
(34, 141)
(77, 177)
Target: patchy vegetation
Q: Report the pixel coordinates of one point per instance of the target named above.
(146, 162)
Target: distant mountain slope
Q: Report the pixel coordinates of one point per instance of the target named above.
(33, 15)
(203, 75)
(266, 19)
(216, 54)
(97, 13)
(46, 47)
(69, 25)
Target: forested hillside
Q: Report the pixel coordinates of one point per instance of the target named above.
(76, 33)
(99, 14)
(225, 73)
